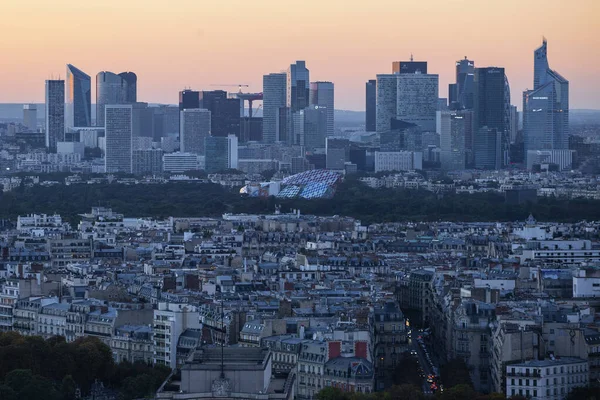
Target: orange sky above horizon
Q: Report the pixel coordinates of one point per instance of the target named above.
(191, 43)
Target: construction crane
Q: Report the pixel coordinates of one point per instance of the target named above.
(239, 85)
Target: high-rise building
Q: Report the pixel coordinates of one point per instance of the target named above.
(336, 151)
(371, 106)
(110, 89)
(78, 111)
(30, 117)
(322, 95)
(55, 113)
(189, 99)
(274, 100)
(131, 80)
(488, 148)
(417, 99)
(461, 93)
(225, 112)
(546, 107)
(492, 110)
(386, 105)
(195, 127)
(118, 130)
(298, 89)
(452, 140)
(310, 127)
(409, 67)
(221, 153)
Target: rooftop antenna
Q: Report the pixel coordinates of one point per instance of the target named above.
(411, 57)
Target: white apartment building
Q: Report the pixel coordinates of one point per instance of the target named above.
(586, 283)
(170, 321)
(179, 162)
(398, 161)
(551, 379)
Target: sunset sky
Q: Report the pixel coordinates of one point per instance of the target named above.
(195, 43)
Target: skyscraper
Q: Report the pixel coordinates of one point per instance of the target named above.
(461, 94)
(322, 95)
(30, 117)
(371, 106)
(225, 112)
(195, 127)
(55, 113)
(119, 137)
(189, 99)
(546, 107)
(221, 153)
(417, 99)
(131, 79)
(298, 80)
(110, 89)
(452, 140)
(488, 148)
(310, 127)
(78, 111)
(274, 100)
(387, 96)
(492, 109)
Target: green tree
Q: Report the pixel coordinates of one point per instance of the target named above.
(584, 393)
(331, 393)
(405, 392)
(455, 372)
(459, 392)
(68, 388)
(407, 371)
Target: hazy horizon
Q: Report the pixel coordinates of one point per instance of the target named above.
(195, 44)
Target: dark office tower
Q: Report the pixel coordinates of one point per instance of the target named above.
(78, 111)
(488, 151)
(453, 96)
(225, 113)
(55, 113)
(110, 89)
(189, 99)
(298, 86)
(409, 67)
(490, 106)
(371, 106)
(131, 93)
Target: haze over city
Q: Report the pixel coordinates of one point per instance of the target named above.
(173, 45)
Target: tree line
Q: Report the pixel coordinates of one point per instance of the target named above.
(352, 199)
(32, 368)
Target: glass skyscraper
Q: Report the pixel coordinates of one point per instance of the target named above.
(492, 111)
(371, 106)
(546, 107)
(274, 101)
(298, 89)
(322, 95)
(78, 111)
(55, 113)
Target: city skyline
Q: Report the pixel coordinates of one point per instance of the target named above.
(367, 48)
